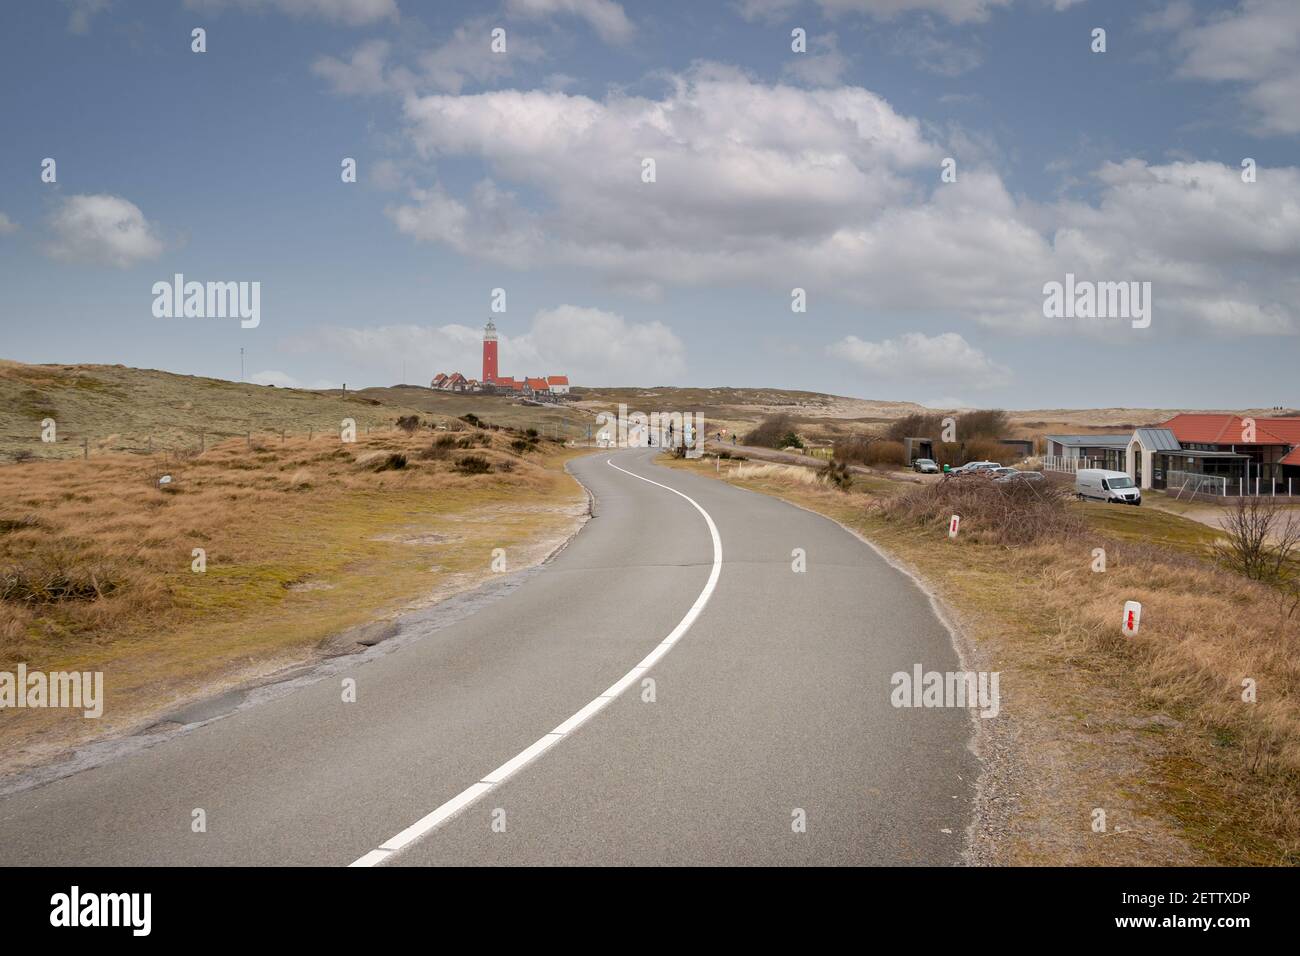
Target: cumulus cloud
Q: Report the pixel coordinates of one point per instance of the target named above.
(1257, 46)
(102, 229)
(349, 12)
(833, 189)
(607, 18)
(590, 345)
(915, 355)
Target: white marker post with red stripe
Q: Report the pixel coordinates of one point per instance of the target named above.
(1132, 618)
(952, 525)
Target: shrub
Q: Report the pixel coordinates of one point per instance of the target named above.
(837, 473)
(473, 465)
(408, 423)
(983, 423)
(1008, 513)
(472, 419)
(771, 432)
(886, 453)
(520, 445)
(1263, 536)
(914, 426)
(50, 582)
(378, 461)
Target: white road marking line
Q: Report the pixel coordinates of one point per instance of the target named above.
(456, 804)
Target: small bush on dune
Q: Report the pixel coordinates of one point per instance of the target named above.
(53, 582)
(992, 512)
(772, 432)
(473, 465)
(837, 473)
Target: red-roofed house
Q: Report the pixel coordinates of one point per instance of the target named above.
(558, 384)
(1217, 454)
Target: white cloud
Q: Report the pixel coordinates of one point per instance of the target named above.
(607, 18)
(464, 59)
(83, 11)
(833, 190)
(102, 229)
(589, 345)
(915, 355)
(362, 74)
(1256, 45)
(934, 53)
(958, 11)
(349, 12)
(822, 65)
(7, 225)
(275, 377)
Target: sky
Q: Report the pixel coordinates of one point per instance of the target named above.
(920, 173)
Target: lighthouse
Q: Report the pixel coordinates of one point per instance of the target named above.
(489, 353)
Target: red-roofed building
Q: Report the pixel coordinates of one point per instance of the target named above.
(558, 384)
(1217, 454)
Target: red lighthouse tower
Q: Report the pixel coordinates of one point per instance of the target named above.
(489, 353)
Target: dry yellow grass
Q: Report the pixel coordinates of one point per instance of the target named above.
(303, 539)
(1152, 728)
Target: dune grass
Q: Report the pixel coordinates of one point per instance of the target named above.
(301, 540)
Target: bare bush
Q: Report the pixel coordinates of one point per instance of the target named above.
(772, 432)
(983, 423)
(1009, 513)
(1263, 537)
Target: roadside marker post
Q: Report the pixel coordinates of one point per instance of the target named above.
(952, 526)
(1132, 618)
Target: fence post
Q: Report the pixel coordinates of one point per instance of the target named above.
(85, 448)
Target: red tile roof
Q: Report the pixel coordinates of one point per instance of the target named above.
(557, 379)
(538, 384)
(1227, 430)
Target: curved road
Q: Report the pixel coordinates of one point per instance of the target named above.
(504, 738)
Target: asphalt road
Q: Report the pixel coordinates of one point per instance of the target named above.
(770, 705)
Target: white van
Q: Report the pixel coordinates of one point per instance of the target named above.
(1106, 485)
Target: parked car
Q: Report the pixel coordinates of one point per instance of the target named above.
(1109, 486)
(925, 466)
(997, 474)
(1018, 475)
(973, 468)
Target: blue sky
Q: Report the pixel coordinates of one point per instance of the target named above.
(774, 170)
